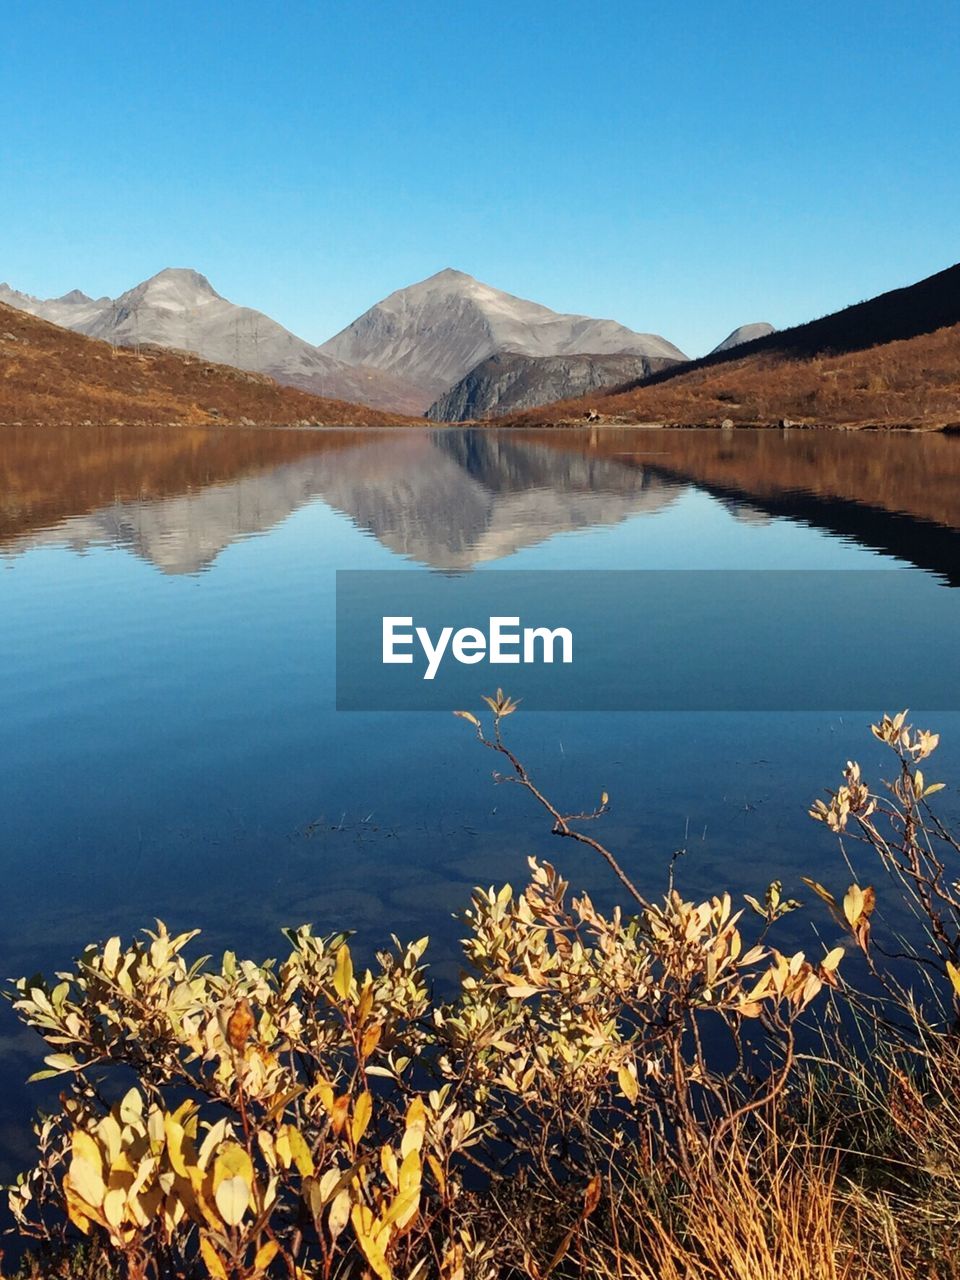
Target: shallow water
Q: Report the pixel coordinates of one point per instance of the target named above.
(170, 745)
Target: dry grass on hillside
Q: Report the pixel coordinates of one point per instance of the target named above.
(914, 382)
(49, 375)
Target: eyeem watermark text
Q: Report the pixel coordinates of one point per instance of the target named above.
(503, 642)
(700, 640)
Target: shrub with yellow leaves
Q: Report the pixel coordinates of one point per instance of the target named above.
(913, 846)
(319, 1118)
(280, 1130)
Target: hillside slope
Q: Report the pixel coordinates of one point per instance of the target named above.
(892, 361)
(49, 374)
(930, 304)
(179, 309)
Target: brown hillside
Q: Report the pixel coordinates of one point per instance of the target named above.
(912, 382)
(924, 307)
(50, 375)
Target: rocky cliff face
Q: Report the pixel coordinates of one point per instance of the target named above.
(508, 382)
(433, 333)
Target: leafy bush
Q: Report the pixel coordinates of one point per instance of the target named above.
(620, 1094)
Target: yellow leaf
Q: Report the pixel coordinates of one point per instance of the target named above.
(820, 891)
(365, 1003)
(131, 1108)
(832, 959)
(324, 1092)
(404, 1209)
(437, 1170)
(519, 990)
(362, 1111)
(212, 1259)
(371, 1038)
(364, 1226)
(760, 989)
(343, 976)
(628, 1083)
(175, 1136)
(416, 1128)
(232, 1162)
(87, 1149)
(155, 1130)
(77, 1210)
(299, 1151)
(954, 975)
(410, 1173)
(114, 1205)
(388, 1163)
(339, 1214)
(853, 904)
(265, 1255)
(233, 1199)
(86, 1182)
(466, 715)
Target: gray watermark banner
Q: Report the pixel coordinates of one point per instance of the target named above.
(622, 640)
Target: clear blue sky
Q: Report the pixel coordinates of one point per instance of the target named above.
(682, 168)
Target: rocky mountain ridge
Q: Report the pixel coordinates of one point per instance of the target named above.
(436, 331)
(179, 309)
(449, 345)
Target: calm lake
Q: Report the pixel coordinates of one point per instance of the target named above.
(170, 744)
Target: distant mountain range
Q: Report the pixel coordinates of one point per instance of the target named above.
(460, 350)
(180, 309)
(404, 354)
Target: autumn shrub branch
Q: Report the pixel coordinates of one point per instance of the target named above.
(629, 1093)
